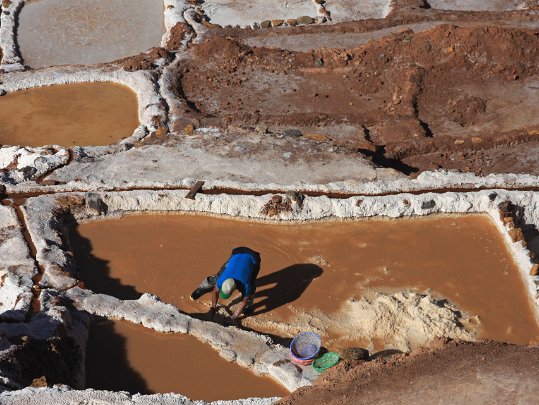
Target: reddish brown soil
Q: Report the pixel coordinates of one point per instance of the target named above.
(447, 372)
(385, 81)
(460, 95)
(177, 34)
(144, 61)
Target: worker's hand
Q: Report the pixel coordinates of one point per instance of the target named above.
(211, 313)
(235, 320)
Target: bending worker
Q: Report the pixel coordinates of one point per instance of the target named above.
(239, 272)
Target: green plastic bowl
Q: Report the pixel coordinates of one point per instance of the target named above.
(327, 360)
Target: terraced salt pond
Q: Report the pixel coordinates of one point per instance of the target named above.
(314, 266)
(62, 32)
(125, 357)
(68, 115)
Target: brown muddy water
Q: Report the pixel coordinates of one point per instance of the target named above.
(316, 265)
(128, 357)
(68, 114)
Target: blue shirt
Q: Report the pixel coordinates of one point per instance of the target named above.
(239, 267)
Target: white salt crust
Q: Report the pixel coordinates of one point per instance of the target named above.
(11, 59)
(381, 184)
(21, 164)
(16, 269)
(190, 17)
(143, 83)
(50, 322)
(64, 395)
(174, 10)
(166, 86)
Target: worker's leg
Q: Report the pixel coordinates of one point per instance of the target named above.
(207, 284)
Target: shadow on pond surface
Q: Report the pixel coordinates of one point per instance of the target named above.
(107, 363)
(96, 272)
(122, 356)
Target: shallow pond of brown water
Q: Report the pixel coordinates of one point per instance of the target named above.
(463, 259)
(68, 115)
(128, 357)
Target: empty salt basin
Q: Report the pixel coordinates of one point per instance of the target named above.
(244, 12)
(477, 5)
(323, 276)
(122, 356)
(67, 115)
(61, 32)
(346, 10)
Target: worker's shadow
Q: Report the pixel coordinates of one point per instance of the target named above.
(283, 286)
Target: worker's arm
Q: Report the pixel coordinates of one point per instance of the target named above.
(241, 307)
(213, 279)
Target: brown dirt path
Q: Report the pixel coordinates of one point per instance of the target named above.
(447, 372)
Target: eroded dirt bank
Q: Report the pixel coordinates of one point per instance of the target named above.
(446, 372)
(446, 95)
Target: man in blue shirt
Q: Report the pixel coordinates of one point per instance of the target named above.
(239, 272)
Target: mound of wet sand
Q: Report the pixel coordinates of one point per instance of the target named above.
(403, 320)
(454, 372)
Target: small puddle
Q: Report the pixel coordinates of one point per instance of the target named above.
(62, 32)
(68, 115)
(122, 356)
(313, 266)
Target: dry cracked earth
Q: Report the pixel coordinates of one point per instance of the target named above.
(287, 112)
